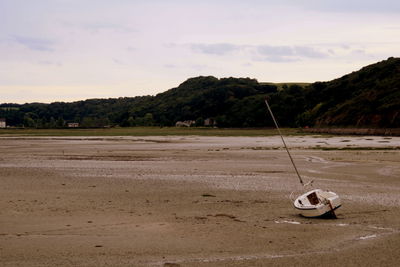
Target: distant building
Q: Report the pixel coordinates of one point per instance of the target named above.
(73, 125)
(210, 122)
(184, 123)
(3, 123)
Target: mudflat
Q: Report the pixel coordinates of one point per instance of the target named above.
(196, 201)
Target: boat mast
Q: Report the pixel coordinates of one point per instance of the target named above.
(283, 141)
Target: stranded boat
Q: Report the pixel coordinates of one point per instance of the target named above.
(314, 203)
(317, 203)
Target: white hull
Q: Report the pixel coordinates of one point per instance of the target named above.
(317, 203)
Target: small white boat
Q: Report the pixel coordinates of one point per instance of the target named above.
(317, 203)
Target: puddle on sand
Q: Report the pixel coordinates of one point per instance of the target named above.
(290, 222)
(367, 237)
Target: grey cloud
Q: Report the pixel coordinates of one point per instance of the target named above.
(339, 6)
(357, 6)
(264, 52)
(309, 52)
(199, 67)
(50, 63)
(288, 53)
(331, 51)
(33, 43)
(214, 49)
(119, 62)
(275, 50)
(102, 26)
(361, 53)
(248, 64)
(277, 58)
(358, 52)
(170, 66)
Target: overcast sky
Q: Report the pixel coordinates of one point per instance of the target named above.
(66, 50)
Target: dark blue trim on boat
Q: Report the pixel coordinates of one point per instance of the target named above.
(321, 214)
(314, 208)
(305, 208)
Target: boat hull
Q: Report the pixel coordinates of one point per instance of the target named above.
(318, 212)
(317, 203)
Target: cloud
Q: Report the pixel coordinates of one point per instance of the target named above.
(33, 43)
(170, 66)
(214, 49)
(309, 52)
(288, 53)
(130, 48)
(277, 59)
(263, 52)
(358, 6)
(49, 63)
(340, 6)
(275, 50)
(119, 62)
(199, 67)
(104, 26)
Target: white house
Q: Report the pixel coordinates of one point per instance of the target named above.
(185, 123)
(210, 122)
(73, 125)
(3, 123)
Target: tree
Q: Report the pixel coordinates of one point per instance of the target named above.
(199, 122)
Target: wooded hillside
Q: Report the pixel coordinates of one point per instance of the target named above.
(369, 97)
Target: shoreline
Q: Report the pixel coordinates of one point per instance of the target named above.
(194, 201)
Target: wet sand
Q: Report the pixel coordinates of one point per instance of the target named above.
(196, 201)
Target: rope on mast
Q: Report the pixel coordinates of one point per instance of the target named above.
(283, 141)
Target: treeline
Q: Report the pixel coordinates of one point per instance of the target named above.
(366, 98)
(231, 102)
(369, 97)
(88, 113)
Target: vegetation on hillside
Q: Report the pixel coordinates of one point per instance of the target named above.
(369, 97)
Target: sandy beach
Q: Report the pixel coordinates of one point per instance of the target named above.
(196, 201)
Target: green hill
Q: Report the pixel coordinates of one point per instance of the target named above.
(369, 97)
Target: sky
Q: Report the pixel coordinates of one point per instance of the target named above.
(68, 50)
